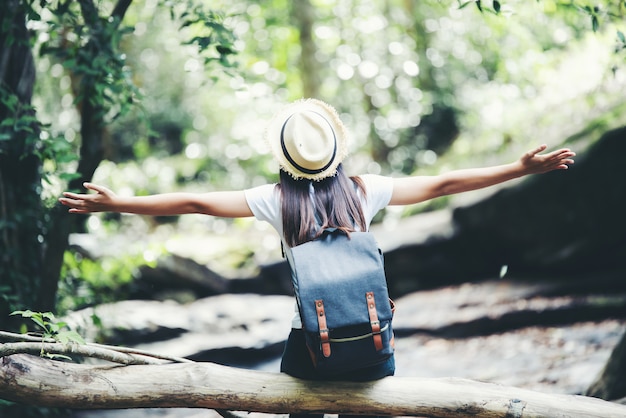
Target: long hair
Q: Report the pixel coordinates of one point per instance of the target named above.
(335, 204)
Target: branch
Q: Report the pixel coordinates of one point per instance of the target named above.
(8, 349)
(100, 351)
(89, 11)
(120, 10)
(31, 379)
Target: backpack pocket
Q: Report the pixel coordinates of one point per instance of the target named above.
(350, 347)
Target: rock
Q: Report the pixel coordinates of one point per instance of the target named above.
(176, 272)
(559, 225)
(486, 308)
(553, 359)
(248, 327)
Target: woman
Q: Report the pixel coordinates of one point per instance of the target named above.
(309, 141)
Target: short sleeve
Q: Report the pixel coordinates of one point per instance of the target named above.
(378, 190)
(264, 202)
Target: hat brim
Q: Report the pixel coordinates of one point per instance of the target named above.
(275, 126)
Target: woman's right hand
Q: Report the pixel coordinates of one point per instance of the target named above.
(101, 201)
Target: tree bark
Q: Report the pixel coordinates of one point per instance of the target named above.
(21, 224)
(31, 379)
(303, 14)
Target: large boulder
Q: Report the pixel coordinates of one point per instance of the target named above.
(561, 224)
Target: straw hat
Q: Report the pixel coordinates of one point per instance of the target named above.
(308, 139)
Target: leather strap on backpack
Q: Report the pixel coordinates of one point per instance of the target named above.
(374, 322)
(321, 321)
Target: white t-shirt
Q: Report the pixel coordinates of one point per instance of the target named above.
(264, 202)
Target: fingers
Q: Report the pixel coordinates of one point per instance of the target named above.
(96, 188)
(74, 204)
(81, 202)
(79, 211)
(71, 195)
(537, 150)
(561, 154)
(86, 196)
(563, 158)
(533, 152)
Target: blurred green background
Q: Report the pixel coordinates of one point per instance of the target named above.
(185, 89)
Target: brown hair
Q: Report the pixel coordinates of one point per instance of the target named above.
(335, 204)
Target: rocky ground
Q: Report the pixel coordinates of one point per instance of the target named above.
(472, 331)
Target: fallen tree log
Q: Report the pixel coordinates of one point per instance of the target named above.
(35, 380)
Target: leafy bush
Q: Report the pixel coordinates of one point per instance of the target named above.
(87, 282)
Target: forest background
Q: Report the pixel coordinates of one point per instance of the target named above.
(157, 96)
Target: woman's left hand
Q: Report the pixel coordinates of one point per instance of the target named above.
(534, 163)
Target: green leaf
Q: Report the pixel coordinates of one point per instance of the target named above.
(70, 336)
(25, 314)
(69, 176)
(621, 37)
(37, 320)
(95, 319)
(496, 6)
(48, 315)
(594, 23)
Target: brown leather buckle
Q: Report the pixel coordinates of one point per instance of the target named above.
(323, 328)
(374, 322)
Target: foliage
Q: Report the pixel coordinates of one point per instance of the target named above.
(52, 150)
(89, 282)
(20, 121)
(83, 74)
(51, 328)
(86, 44)
(214, 41)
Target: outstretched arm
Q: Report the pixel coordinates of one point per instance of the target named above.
(227, 204)
(417, 189)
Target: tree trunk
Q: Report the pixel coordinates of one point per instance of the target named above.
(21, 209)
(34, 380)
(304, 15)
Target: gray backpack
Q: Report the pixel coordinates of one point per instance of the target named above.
(341, 290)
